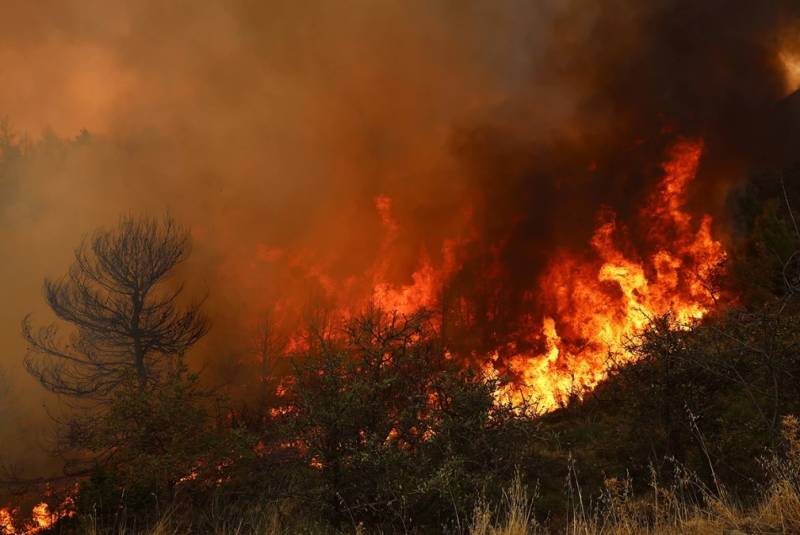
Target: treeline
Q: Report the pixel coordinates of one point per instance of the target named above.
(375, 427)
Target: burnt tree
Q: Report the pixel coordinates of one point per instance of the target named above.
(128, 324)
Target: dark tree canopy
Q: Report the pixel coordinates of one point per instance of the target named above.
(126, 326)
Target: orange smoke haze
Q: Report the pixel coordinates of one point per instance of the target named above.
(452, 155)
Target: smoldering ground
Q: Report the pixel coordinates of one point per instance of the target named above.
(270, 128)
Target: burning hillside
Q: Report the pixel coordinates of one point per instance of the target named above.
(541, 179)
(595, 304)
(586, 306)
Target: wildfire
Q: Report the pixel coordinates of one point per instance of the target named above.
(597, 302)
(41, 518)
(427, 280)
(6, 522)
(586, 305)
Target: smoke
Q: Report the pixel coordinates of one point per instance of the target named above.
(270, 128)
(635, 78)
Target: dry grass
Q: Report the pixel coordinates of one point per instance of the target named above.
(687, 507)
(516, 514)
(164, 526)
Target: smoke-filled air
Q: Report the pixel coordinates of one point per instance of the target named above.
(566, 230)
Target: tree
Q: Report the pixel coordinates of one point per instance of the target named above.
(126, 327)
(357, 402)
(146, 446)
(392, 433)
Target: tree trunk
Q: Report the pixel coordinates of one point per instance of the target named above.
(136, 335)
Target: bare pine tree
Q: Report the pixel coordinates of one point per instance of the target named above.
(126, 326)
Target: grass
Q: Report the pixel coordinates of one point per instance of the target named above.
(667, 511)
(687, 507)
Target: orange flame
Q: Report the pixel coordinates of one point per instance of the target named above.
(597, 303)
(426, 281)
(41, 518)
(590, 304)
(6, 522)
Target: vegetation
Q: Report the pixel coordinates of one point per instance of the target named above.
(376, 429)
(686, 507)
(392, 433)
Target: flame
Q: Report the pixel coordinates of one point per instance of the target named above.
(6, 522)
(587, 305)
(42, 518)
(426, 281)
(597, 302)
(421, 293)
(593, 303)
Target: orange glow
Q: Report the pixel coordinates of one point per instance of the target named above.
(41, 518)
(421, 293)
(427, 280)
(595, 303)
(790, 61)
(6, 522)
(586, 305)
(592, 303)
